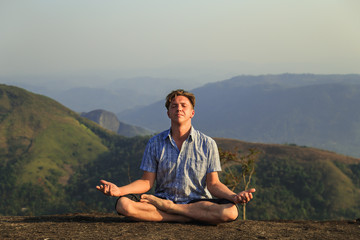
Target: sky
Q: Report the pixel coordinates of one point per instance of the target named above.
(197, 40)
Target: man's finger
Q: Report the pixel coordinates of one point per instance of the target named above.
(101, 188)
(247, 198)
(104, 182)
(251, 190)
(110, 186)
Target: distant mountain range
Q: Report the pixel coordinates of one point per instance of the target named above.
(51, 159)
(114, 96)
(305, 109)
(322, 111)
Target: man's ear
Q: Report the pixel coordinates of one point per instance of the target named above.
(168, 113)
(193, 113)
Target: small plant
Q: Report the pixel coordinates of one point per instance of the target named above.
(232, 178)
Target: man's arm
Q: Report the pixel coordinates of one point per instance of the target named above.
(139, 186)
(220, 190)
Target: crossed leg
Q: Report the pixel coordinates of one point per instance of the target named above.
(151, 208)
(142, 211)
(203, 211)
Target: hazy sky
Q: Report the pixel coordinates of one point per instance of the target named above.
(205, 40)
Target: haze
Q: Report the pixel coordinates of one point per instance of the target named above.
(195, 41)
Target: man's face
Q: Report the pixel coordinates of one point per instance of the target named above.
(180, 110)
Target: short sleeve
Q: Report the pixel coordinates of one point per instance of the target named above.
(213, 156)
(149, 161)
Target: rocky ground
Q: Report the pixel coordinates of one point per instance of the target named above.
(111, 226)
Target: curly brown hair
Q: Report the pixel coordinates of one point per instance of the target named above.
(179, 92)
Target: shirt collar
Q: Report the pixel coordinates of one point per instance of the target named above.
(192, 134)
(190, 137)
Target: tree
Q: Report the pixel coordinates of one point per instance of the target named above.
(233, 179)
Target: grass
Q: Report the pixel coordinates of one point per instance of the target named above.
(340, 189)
(60, 144)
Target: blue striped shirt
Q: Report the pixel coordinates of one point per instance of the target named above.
(181, 174)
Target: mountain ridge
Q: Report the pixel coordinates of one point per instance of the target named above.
(306, 109)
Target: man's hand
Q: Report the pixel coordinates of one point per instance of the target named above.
(109, 189)
(244, 196)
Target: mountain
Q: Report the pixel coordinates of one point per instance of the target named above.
(51, 159)
(36, 129)
(313, 110)
(109, 121)
(42, 145)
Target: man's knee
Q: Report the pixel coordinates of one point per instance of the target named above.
(124, 206)
(230, 214)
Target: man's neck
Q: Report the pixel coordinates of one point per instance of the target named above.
(180, 132)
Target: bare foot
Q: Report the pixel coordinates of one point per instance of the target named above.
(161, 204)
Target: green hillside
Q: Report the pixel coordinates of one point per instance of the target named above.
(296, 182)
(42, 144)
(48, 153)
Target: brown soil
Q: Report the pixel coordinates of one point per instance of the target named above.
(111, 226)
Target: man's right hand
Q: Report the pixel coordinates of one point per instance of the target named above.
(109, 189)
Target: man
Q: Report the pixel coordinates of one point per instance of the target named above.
(184, 163)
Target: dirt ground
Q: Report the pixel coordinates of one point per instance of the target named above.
(111, 226)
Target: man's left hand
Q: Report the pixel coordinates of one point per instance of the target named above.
(244, 196)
